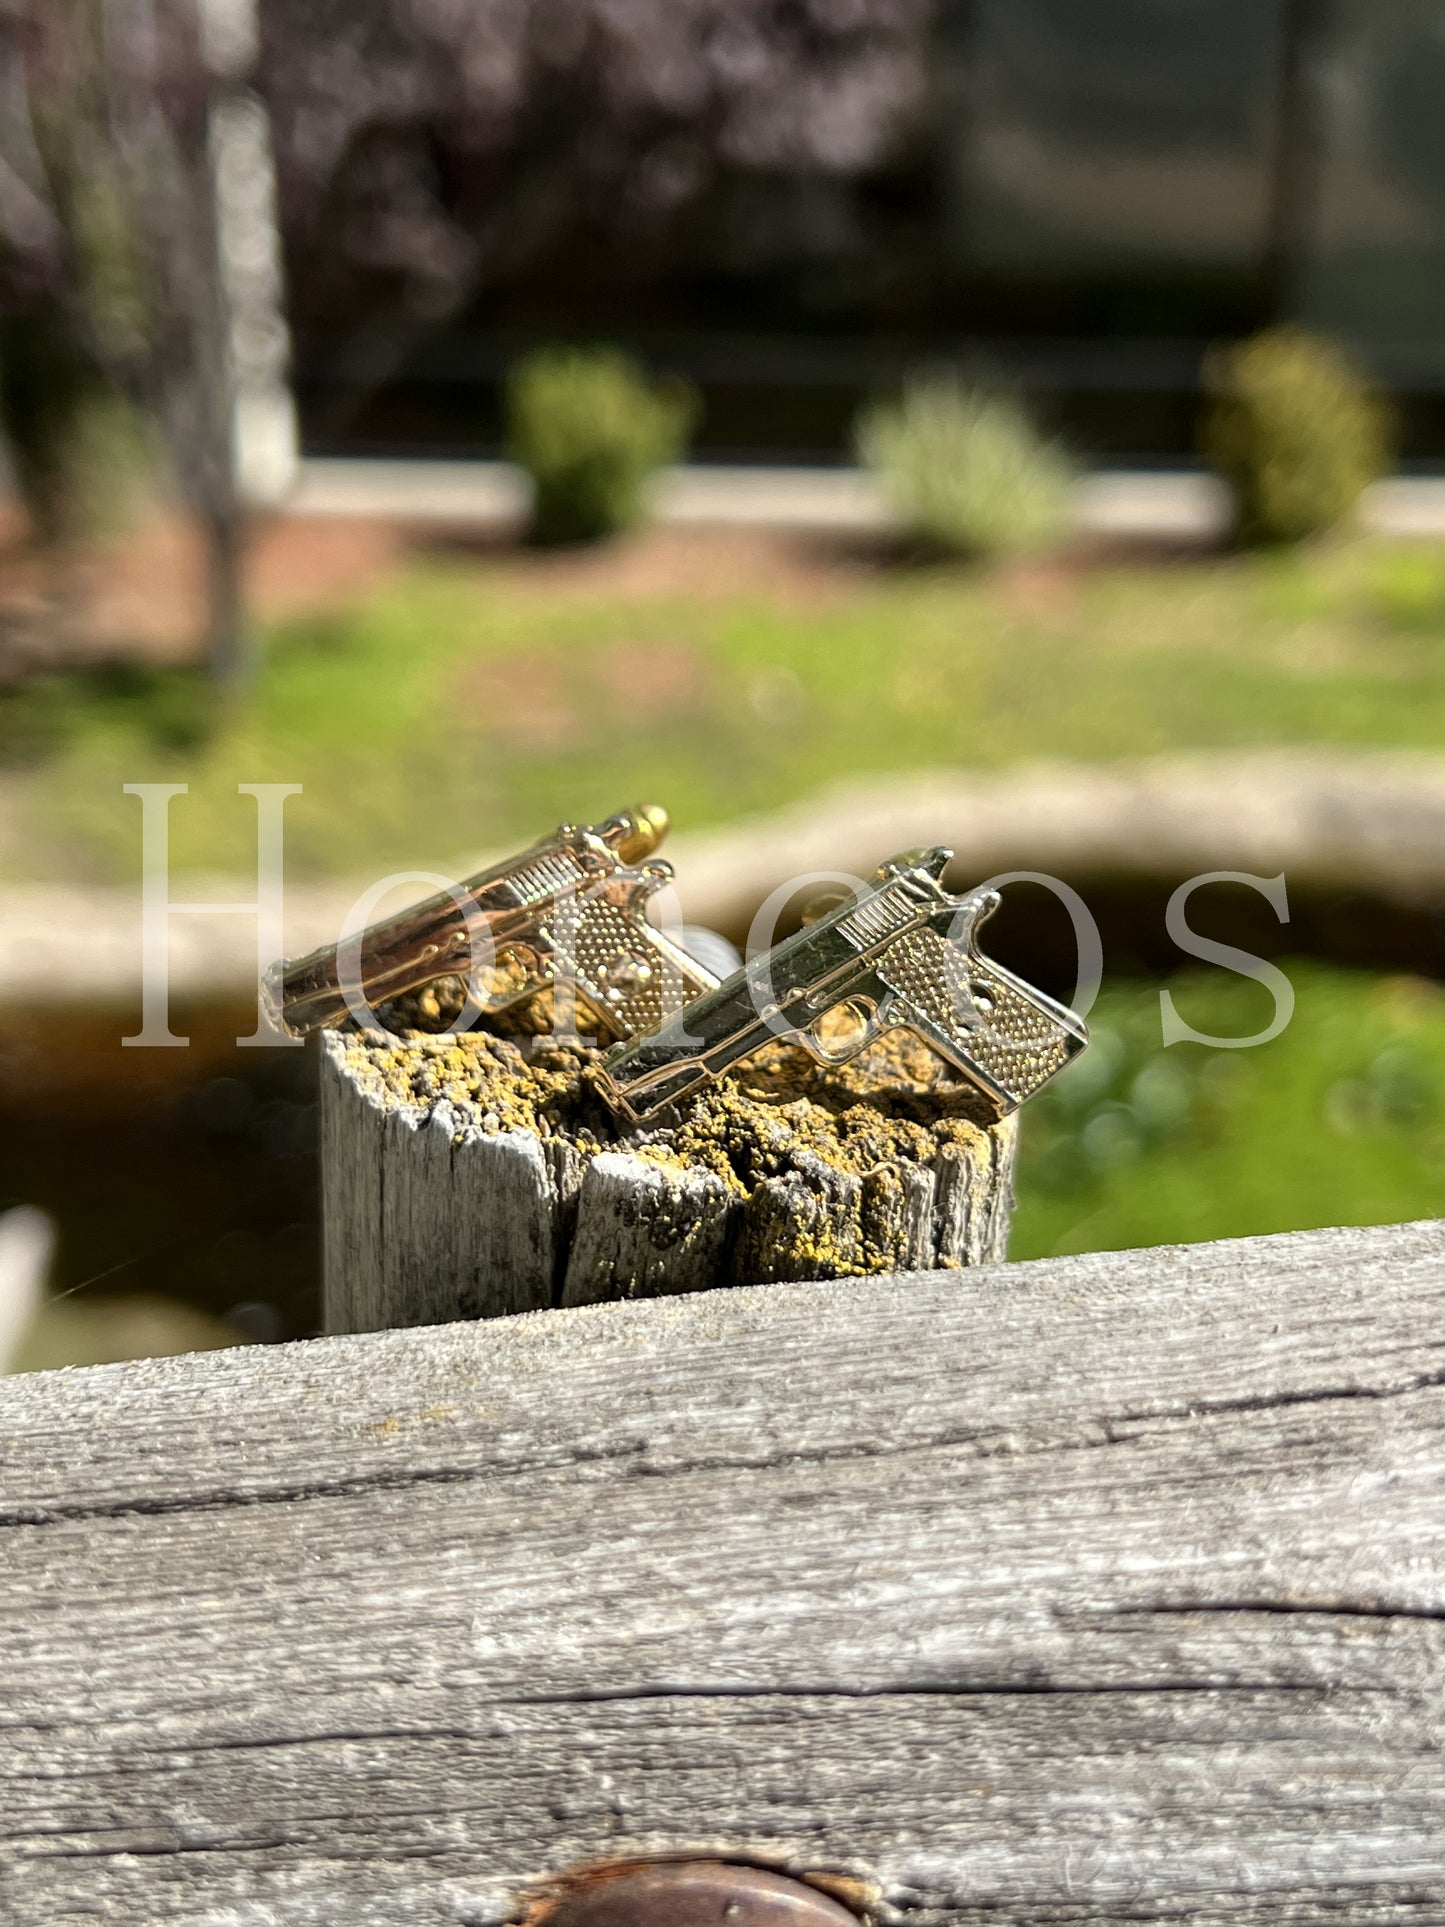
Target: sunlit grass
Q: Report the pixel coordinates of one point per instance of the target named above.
(465, 704)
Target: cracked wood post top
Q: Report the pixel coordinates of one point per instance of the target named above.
(433, 1211)
(1098, 1589)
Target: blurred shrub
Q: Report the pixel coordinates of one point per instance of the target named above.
(1296, 432)
(966, 471)
(591, 430)
(83, 456)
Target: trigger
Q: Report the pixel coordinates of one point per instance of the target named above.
(842, 1032)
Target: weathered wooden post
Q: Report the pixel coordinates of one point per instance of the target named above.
(474, 1176)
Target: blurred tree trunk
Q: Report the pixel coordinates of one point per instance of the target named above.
(46, 380)
(49, 388)
(137, 204)
(230, 641)
(244, 412)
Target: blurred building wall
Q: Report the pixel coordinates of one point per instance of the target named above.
(1374, 265)
(1093, 190)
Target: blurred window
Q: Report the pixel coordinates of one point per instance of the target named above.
(1374, 265)
(1111, 163)
(1087, 192)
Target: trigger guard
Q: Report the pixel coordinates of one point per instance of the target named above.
(880, 1019)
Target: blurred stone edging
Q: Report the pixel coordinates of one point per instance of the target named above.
(1373, 822)
(1141, 503)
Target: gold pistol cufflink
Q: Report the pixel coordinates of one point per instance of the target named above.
(569, 914)
(900, 952)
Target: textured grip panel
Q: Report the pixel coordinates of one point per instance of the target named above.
(1017, 1043)
(632, 982)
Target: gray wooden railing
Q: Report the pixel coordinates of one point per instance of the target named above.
(1099, 1590)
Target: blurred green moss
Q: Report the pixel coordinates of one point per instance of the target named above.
(468, 702)
(171, 711)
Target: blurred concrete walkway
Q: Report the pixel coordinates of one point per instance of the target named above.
(1126, 502)
(1369, 821)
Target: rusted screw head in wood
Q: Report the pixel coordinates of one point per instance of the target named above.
(692, 1893)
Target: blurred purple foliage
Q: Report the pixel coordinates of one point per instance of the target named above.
(432, 145)
(425, 151)
(102, 142)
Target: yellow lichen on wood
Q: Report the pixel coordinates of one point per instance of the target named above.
(785, 1168)
(893, 1103)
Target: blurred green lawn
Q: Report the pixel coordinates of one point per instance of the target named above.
(472, 701)
(1339, 1120)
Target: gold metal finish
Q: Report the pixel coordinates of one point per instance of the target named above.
(642, 829)
(823, 905)
(568, 915)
